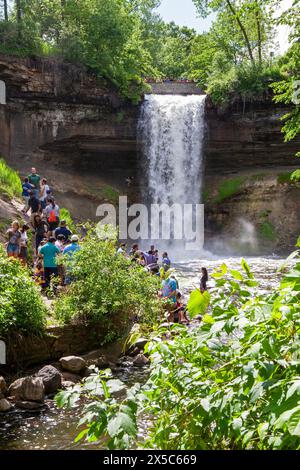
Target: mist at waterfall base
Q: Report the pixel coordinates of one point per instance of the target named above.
(170, 135)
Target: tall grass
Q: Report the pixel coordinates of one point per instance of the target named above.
(10, 183)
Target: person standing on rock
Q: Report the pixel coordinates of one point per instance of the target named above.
(49, 253)
(44, 193)
(41, 229)
(35, 179)
(26, 188)
(203, 280)
(52, 213)
(34, 206)
(23, 255)
(14, 240)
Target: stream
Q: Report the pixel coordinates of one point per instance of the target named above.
(55, 429)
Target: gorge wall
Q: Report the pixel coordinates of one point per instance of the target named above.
(79, 133)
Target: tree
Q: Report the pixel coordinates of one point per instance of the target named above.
(245, 14)
(287, 91)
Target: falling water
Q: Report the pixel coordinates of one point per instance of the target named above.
(171, 130)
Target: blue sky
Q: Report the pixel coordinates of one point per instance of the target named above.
(183, 13)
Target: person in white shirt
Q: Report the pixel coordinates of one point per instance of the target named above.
(44, 193)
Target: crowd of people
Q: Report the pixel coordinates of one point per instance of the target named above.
(50, 236)
(169, 292)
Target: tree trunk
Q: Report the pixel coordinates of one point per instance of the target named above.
(19, 18)
(5, 10)
(243, 30)
(259, 35)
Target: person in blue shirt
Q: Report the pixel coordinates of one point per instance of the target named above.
(70, 249)
(166, 263)
(49, 252)
(26, 188)
(63, 230)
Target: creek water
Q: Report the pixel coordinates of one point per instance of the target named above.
(56, 429)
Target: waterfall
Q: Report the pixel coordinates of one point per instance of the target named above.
(170, 133)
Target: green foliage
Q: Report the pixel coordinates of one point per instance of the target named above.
(229, 188)
(65, 215)
(231, 383)
(10, 183)
(107, 287)
(267, 231)
(295, 176)
(198, 303)
(22, 309)
(228, 83)
(103, 416)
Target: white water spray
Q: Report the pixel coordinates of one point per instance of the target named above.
(171, 131)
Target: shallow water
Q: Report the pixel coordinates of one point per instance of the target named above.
(56, 429)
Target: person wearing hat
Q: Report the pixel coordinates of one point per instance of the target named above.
(69, 250)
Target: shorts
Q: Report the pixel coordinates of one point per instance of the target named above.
(26, 199)
(13, 250)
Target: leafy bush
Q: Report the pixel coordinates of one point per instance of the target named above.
(229, 188)
(22, 309)
(107, 287)
(228, 83)
(231, 383)
(65, 215)
(10, 183)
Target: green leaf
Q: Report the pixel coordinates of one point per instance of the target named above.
(198, 303)
(121, 423)
(236, 274)
(247, 269)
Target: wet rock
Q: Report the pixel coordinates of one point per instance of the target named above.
(51, 377)
(140, 360)
(140, 343)
(74, 378)
(29, 405)
(3, 387)
(134, 352)
(88, 371)
(103, 363)
(28, 389)
(5, 405)
(73, 364)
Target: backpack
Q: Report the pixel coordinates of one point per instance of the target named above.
(52, 217)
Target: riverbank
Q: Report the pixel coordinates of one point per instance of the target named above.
(25, 430)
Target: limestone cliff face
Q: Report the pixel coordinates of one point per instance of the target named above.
(79, 133)
(76, 130)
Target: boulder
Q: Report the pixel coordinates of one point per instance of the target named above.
(51, 377)
(28, 389)
(73, 364)
(3, 387)
(140, 343)
(140, 360)
(5, 405)
(67, 376)
(29, 405)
